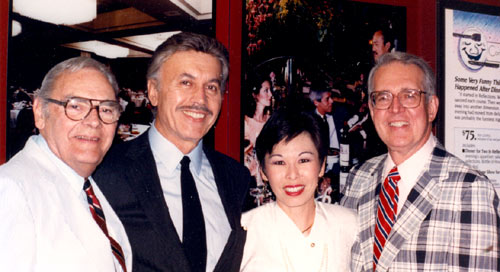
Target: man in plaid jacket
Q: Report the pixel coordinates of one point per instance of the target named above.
(446, 212)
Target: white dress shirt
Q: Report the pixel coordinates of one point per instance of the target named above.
(47, 224)
(274, 243)
(168, 157)
(411, 169)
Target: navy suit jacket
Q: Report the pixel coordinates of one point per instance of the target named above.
(129, 179)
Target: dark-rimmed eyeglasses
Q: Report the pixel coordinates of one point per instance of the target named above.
(409, 98)
(78, 108)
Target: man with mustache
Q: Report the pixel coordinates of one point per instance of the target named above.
(420, 208)
(382, 42)
(147, 180)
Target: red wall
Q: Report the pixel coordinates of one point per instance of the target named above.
(421, 40)
(4, 24)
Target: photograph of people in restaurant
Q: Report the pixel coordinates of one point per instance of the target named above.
(314, 56)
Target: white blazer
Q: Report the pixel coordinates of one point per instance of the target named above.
(44, 226)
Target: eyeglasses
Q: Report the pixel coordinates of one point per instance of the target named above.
(78, 108)
(407, 98)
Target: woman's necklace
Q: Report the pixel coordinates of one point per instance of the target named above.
(308, 228)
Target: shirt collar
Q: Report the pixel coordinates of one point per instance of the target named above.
(74, 180)
(416, 162)
(170, 155)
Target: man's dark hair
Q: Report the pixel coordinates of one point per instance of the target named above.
(388, 35)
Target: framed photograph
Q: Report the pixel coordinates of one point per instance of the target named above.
(470, 83)
(291, 47)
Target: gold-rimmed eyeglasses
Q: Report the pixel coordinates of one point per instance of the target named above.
(78, 108)
(408, 98)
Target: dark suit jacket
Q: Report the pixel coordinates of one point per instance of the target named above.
(129, 179)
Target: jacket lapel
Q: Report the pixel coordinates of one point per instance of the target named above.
(419, 204)
(366, 210)
(145, 182)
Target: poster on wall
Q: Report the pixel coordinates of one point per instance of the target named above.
(472, 88)
(292, 49)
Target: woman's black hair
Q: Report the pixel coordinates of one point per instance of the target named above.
(286, 124)
(253, 89)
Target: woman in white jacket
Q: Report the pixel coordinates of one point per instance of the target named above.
(295, 233)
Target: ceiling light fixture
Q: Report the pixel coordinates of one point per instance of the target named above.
(59, 12)
(103, 49)
(16, 28)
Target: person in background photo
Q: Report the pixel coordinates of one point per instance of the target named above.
(179, 200)
(382, 42)
(54, 216)
(258, 111)
(420, 208)
(295, 233)
(331, 122)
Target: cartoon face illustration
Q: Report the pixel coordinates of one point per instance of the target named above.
(471, 47)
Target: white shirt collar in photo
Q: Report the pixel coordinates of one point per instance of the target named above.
(74, 180)
(170, 155)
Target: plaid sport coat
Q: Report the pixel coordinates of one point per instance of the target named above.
(450, 221)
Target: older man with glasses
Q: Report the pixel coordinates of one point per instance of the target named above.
(420, 208)
(54, 217)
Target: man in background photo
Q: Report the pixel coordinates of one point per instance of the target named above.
(382, 42)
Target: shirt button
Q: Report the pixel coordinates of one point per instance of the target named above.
(313, 244)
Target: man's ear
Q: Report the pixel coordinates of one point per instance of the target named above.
(38, 113)
(153, 92)
(432, 108)
(387, 46)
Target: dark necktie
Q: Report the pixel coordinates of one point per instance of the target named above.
(193, 228)
(386, 212)
(98, 214)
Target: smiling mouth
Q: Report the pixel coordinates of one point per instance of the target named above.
(398, 124)
(86, 138)
(195, 115)
(294, 190)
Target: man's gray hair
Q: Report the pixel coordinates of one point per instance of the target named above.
(428, 83)
(317, 94)
(186, 41)
(70, 66)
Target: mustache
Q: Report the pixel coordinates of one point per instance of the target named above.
(195, 107)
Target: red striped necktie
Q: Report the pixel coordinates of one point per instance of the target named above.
(98, 214)
(386, 212)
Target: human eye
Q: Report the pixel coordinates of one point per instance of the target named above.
(383, 97)
(213, 88)
(107, 108)
(278, 162)
(409, 95)
(304, 160)
(77, 105)
(186, 83)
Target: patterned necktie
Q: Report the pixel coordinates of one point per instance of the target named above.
(98, 214)
(193, 228)
(386, 212)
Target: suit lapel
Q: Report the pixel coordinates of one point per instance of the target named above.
(367, 210)
(417, 207)
(145, 182)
